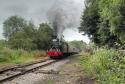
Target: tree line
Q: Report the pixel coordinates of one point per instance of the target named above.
(104, 22)
(78, 44)
(22, 34)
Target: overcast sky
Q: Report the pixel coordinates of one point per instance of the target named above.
(36, 10)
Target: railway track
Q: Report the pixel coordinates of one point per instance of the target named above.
(22, 65)
(16, 71)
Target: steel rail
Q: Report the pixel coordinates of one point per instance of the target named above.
(26, 71)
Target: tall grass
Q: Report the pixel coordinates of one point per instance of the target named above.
(15, 56)
(107, 66)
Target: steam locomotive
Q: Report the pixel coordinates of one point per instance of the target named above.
(59, 48)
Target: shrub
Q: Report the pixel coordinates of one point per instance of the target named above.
(106, 65)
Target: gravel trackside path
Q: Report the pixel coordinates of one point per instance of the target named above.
(33, 77)
(65, 71)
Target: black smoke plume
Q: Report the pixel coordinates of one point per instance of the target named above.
(64, 14)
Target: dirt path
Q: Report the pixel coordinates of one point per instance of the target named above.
(69, 73)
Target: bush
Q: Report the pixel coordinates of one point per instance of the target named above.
(105, 65)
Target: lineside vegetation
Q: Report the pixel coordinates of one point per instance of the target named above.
(106, 66)
(24, 42)
(104, 22)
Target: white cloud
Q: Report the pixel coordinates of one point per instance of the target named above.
(70, 35)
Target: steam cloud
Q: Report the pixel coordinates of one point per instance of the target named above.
(64, 14)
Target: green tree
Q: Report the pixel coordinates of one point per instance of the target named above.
(3, 43)
(30, 29)
(90, 19)
(23, 34)
(78, 44)
(103, 21)
(20, 40)
(19, 33)
(43, 36)
(12, 25)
